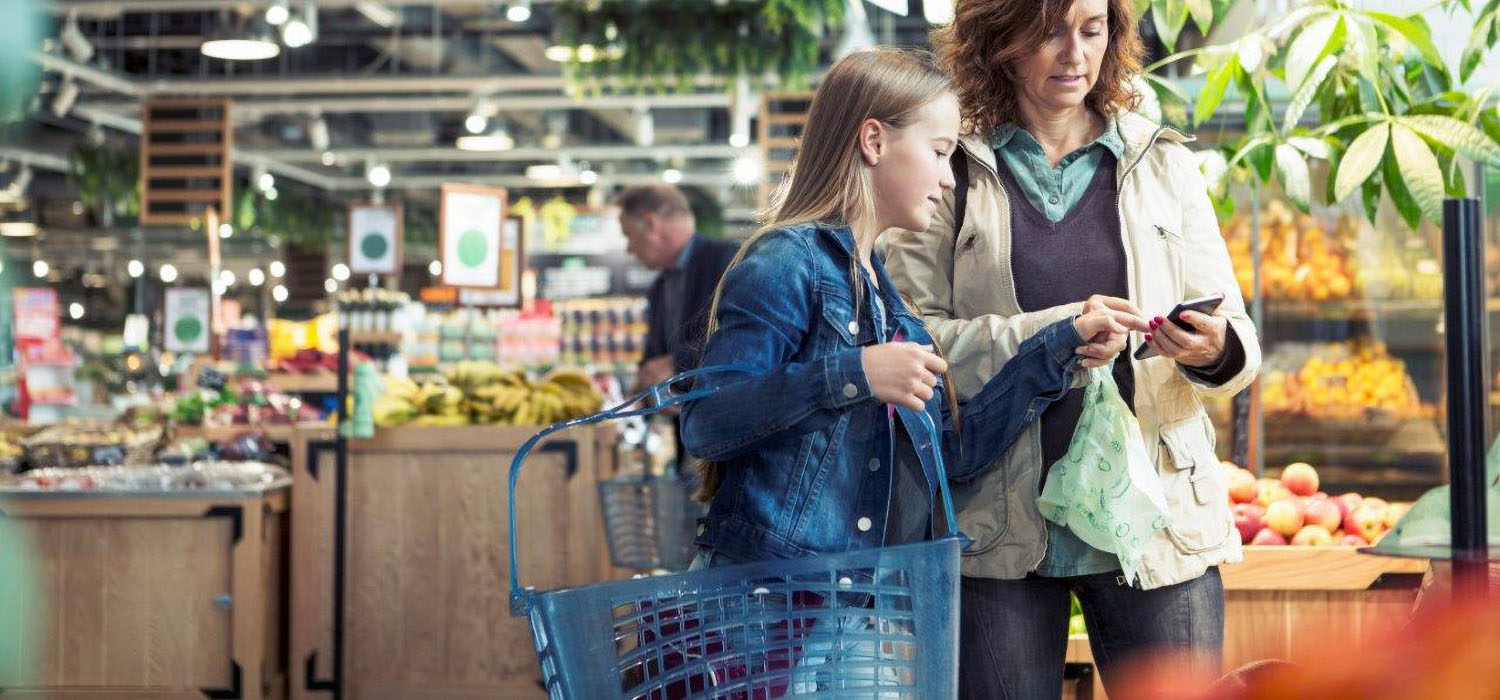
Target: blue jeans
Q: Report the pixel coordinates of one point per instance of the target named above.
(1014, 634)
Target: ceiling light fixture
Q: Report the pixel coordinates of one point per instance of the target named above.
(378, 13)
(67, 96)
(499, 139)
(278, 293)
(302, 28)
(435, 267)
(328, 158)
(248, 40)
(378, 174)
(135, 268)
(330, 286)
(168, 273)
(747, 170)
(75, 311)
(519, 11)
(73, 39)
(278, 269)
(671, 176)
(277, 13)
(340, 271)
(40, 268)
(257, 278)
(317, 133)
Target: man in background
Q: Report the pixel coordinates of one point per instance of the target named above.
(659, 224)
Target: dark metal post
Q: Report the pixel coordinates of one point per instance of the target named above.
(1463, 289)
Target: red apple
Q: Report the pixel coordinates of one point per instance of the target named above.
(1366, 521)
(1324, 513)
(1284, 517)
(1377, 503)
(1268, 537)
(1300, 478)
(1394, 513)
(1349, 501)
(1271, 491)
(1247, 518)
(1312, 536)
(1350, 540)
(1242, 486)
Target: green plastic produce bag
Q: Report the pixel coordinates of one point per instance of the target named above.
(1106, 489)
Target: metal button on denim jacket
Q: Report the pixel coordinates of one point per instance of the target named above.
(805, 447)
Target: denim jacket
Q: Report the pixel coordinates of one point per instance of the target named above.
(806, 448)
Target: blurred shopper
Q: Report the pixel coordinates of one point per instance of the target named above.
(1069, 202)
(662, 235)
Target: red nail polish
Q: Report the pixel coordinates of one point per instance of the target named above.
(1148, 337)
(1154, 324)
(1159, 320)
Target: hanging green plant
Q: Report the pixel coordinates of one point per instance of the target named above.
(297, 219)
(658, 44)
(108, 179)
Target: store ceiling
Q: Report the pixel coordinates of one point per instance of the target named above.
(400, 93)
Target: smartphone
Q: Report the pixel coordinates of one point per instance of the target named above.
(1203, 305)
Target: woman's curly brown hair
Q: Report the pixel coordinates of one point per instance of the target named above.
(988, 38)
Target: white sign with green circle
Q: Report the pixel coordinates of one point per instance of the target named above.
(471, 238)
(373, 245)
(187, 320)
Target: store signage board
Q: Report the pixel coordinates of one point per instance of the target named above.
(187, 321)
(375, 236)
(469, 235)
(137, 333)
(36, 314)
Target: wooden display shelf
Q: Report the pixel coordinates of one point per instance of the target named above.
(375, 338)
(277, 432)
(1289, 568)
(175, 596)
(1362, 308)
(1287, 602)
(426, 555)
(296, 383)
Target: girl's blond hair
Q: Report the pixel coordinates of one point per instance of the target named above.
(829, 182)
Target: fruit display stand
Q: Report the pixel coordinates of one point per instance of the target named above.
(1350, 319)
(1286, 602)
(415, 594)
(160, 593)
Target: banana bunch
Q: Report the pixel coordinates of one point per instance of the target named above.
(469, 376)
(483, 393)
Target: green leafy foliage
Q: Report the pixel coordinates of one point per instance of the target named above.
(1391, 119)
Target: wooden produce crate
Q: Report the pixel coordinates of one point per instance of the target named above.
(164, 596)
(1297, 603)
(424, 559)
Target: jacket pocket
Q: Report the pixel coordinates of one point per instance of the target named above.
(983, 509)
(1197, 489)
(842, 320)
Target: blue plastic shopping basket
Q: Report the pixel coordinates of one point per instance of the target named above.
(868, 623)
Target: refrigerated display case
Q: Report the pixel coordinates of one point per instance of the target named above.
(1351, 326)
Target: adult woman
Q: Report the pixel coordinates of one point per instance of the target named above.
(1074, 203)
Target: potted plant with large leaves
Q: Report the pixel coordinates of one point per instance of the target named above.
(1369, 93)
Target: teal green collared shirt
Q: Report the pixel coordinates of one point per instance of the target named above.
(1055, 192)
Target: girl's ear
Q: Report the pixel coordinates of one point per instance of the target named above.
(872, 135)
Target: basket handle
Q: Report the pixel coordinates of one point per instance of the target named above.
(663, 395)
(944, 493)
